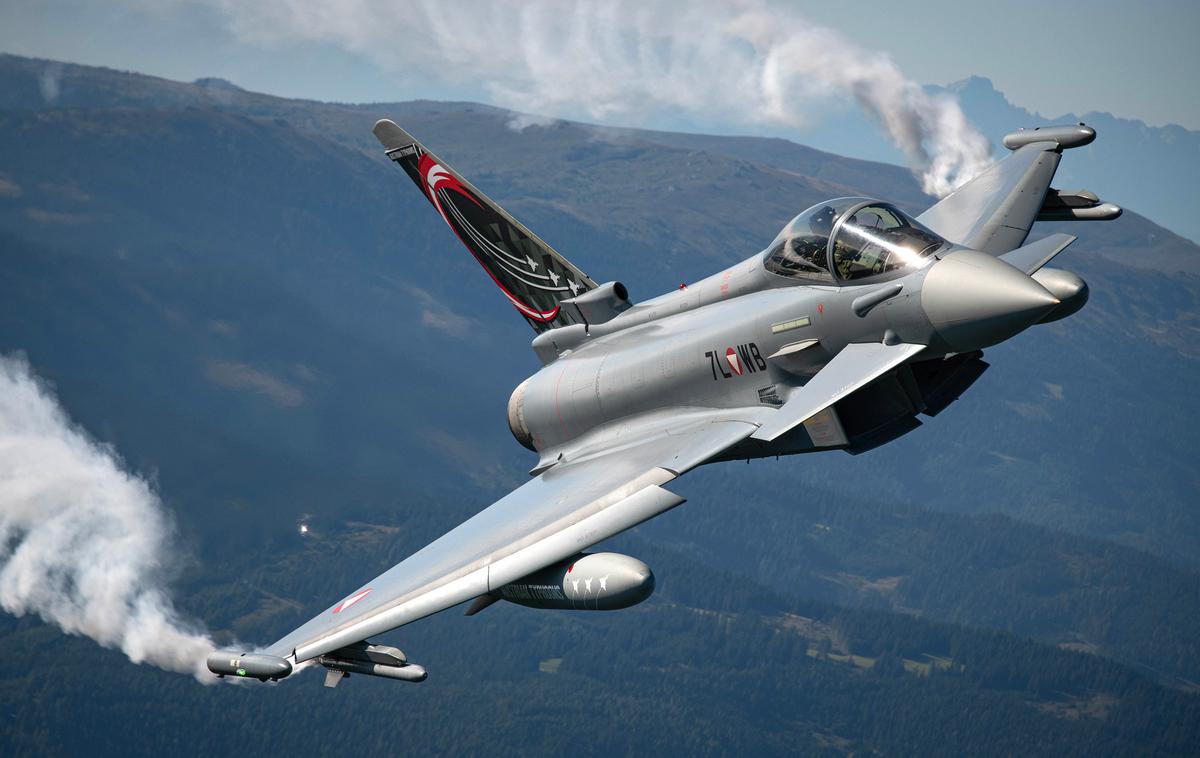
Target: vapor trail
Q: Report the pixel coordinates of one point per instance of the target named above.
(746, 61)
(82, 542)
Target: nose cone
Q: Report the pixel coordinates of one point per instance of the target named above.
(974, 300)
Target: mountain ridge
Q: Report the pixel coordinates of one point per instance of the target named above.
(1148, 167)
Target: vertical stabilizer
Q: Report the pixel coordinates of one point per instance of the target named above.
(530, 274)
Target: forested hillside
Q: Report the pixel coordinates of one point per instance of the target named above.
(673, 675)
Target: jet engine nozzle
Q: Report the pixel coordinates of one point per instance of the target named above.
(974, 300)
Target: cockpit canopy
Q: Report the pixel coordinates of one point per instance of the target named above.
(848, 241)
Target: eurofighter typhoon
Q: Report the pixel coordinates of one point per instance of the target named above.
(855, 320)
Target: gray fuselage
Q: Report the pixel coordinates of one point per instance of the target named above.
(684, 350)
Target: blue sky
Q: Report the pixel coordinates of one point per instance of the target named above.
(1137, 60)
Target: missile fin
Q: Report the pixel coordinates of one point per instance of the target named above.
(333, 677)
(481, 602)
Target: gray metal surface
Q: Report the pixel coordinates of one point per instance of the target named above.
(1033, 256)
(1065, 137)
(586, 582)
(856, 319)
(852, 368)
(1067, 286)
(410, 672)
(994, 211)
(863, 304)
(1076, 205)
(974, 300)
(253, 665)
(551, 517)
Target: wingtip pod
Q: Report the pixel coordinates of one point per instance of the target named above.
(390, 135)
(251, 665)
(1066, 137)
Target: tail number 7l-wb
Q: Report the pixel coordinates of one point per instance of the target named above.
(735, 361)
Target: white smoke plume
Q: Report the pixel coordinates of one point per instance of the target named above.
(743, 61)
(83, 543)
(50, 82)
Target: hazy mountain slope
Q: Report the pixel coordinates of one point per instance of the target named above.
(882, 180)
(1149, 167)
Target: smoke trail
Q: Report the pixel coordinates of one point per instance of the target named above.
(49, 82)
(745, 62)
(82, 542)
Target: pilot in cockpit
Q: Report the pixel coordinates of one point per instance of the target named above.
(822, 221)
(873, 239)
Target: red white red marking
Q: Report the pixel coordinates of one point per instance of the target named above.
(352, 600)
(436, 178)
(735, 362)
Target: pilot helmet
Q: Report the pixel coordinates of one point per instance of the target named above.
(821, 222)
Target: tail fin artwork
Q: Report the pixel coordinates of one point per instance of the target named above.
(533, 277)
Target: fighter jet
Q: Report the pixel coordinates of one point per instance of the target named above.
(855, 320)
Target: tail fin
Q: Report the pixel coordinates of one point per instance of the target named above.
(533, 277)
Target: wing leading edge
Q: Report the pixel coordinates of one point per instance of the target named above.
(568, 508)
(994, 212)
